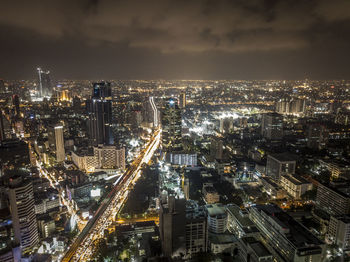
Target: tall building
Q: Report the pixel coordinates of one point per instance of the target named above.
(15, 102)
(216, 148)
(171, 125)
(294, 106)
(2, 128)
(102, 157)
(286, 238)
(183, 228)
(155, 112)
(99, 108)
(280, 164)
(333, 198)
(24, 222)
(44, 83)
(339, 231)
(182, 103)
(317, 136)
(272, 126)
(172, 227)
(56, 142)
(217, 218)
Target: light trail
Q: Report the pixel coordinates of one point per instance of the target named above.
(83, 247)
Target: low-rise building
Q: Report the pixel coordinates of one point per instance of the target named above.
(252, 250)
(239, 223)
(295, 185)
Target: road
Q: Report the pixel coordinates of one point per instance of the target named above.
(83, 246)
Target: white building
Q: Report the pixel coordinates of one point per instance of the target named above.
(103, 157)
(339, 231)
(294, 185)
(217, 218)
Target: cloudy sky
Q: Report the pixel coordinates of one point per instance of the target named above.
(182, 39)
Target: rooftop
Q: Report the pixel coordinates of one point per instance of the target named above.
(297, 234)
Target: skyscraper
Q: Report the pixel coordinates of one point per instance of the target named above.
(154, 111)
(100, 114)
(24, 222)
(182, 103)
(15, 102)
(171, 125)
(56, 142)
(272, 126)
(2, 129)
(44, 83)
(317, 136)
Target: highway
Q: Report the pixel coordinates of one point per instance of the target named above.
(83, 247)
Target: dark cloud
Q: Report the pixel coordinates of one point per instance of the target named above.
(130, 38)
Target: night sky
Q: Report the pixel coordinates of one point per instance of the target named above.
(183, 39)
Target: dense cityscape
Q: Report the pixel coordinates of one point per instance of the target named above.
(178, 170)
(170, 131)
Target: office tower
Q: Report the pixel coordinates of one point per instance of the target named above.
(334, 198)
(272, 126)
(280, 164)
(216, 148)
(56, 142)
(182, 99)
(339, 231)
(226, 124)
(196, 229)
(44, 83)
(2, 84)
(76, 103)
(172, 227)
(317, 136)
(155, 112)
(2, 128)
(24, 222)
(100, 114)
(286, 239)
(183, 228)
(15, 102)
(171, 125)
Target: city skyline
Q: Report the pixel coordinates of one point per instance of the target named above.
(182, 40)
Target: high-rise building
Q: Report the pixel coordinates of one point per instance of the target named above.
(216, 148)
(44, 83)
(293, 106)
(172, 227)
(333, 198)
(99, 108)
(280, 164)
(24, 222)
(171, 125)
(154, 112)
(317, 136)
(272, 126)
(183, 228)
(217, 218)
(339, 231)
(286, 238)
(182, 99)
(15, 102)
(56, 142)
(2, 128)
